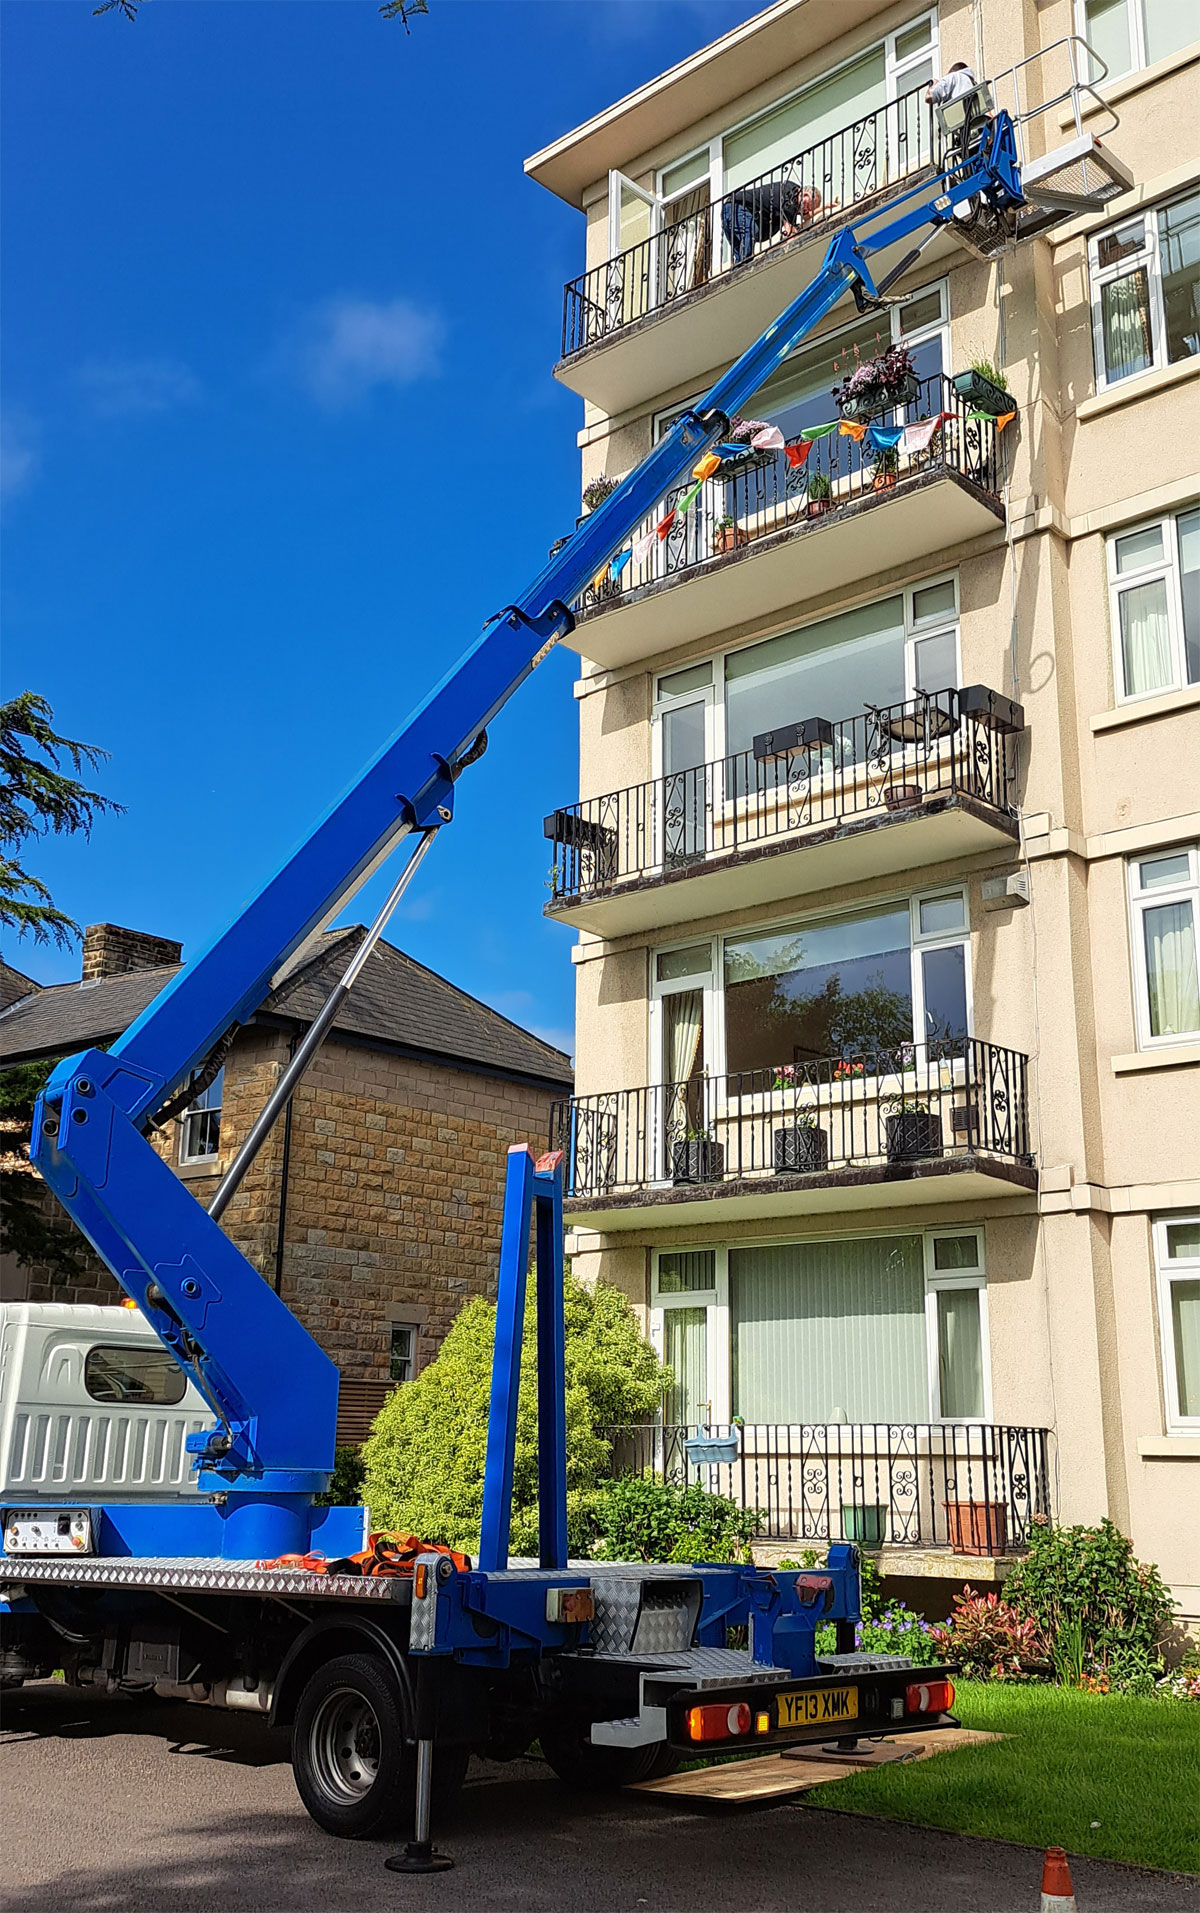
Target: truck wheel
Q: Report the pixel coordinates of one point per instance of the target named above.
(603, 1769)
(354, 1764)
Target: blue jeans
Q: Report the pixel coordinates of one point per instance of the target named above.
(737, 223)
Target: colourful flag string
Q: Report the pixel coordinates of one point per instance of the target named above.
(664, 525)
(849, 428)
(797, 453)
(770, 439)
(820, 431)
(709, 464)
(1005, 418)
(920, 434)
(884, 438)
(688, 499)
(618, 564)
(643, 547)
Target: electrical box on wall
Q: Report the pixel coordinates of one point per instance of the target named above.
(1007, 891)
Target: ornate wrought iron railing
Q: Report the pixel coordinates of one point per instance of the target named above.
(764, 494)
(708, 240)
(969, 1487)
(889, 760)
(903, 1107)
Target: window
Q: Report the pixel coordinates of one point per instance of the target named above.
(200, 1133)
(1177, 1255)
(1154, 606)
(403, 1354)
(868, 1329)
(147, 1376)
(869, 981)
(1165, 896)
(1145, 277)
(1129, 34)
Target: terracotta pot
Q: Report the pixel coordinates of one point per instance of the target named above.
(817, 507)
(977, 1527)
(731, 537)
(902, 796)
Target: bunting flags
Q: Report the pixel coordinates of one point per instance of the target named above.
(770, 439)
(643, 548)
(709, 464)
(820, 431)
(797, 453)
(618, 564)
(664, 525)
(884, 438)
(1005, 418)
(920, 435)
(849, 428)
(688, 499)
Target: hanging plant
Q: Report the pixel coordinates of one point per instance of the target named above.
(878, 384)
(597, 490)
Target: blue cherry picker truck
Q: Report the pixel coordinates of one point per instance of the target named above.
(392, 1662)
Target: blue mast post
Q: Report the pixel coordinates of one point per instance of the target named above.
(506, 1360)
(551, 1365)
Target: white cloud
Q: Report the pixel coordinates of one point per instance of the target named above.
(19, 458)
(347, 347)
(136, 388)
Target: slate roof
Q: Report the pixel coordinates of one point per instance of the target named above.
(397, 1003)
(14, 984)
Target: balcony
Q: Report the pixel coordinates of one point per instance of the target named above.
(825, 803)
(612, 339)
(766, 532)
(943, 1121)
(948, 1488)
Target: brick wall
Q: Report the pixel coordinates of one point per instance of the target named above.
(109, 949)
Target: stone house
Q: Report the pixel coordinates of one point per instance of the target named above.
(374, 1208)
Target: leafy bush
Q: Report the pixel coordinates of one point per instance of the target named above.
(641, 1519)
(346, 1482)
(424, 1458)
(1090, 1598)
(990, 1640)
(898, 1630)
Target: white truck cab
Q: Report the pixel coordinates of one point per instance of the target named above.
(92, 1407)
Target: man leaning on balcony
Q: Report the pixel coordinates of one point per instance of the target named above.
(754, 213)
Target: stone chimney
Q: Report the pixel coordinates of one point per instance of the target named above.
(110, 950)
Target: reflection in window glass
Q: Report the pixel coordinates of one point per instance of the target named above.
(945, 985)
(933, 601)
(1179, 261)
(1107, 31)
(825, 670)
(695, 961)
(1158, 873)
(1139, 548)
(685, 1271)
(402, 1354)
(694, 678)
(935, 663)
(956, 1252)
(147, 1376)
(1188, 526)
(937, 915)
(817, 991)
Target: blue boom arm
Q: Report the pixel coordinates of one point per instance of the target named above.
(271, 1388)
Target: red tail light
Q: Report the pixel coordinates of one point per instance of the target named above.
(929, 1697)
(719, 1722)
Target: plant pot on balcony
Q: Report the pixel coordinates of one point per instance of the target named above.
(911, 1135)
(865, 1523)
(697, 1160)
(902, 796)
(982, 393)
(730, 538)
(800, 1149)
(862, 406)
(977, 1527)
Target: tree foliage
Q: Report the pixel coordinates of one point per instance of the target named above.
(424, 1458)
(41, 794)
(639, 1518)
(31, 1227)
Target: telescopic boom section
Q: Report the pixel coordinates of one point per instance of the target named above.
(272, 1389)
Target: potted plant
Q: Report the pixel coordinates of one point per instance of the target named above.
(912, 1131)
(597, 490)
(878, 384)
(697, 1158)
(801, 1147)
(977, 1527)
(727, 536)
(983, 387)
(820, 495)
(902, 796)
(887, 468)
(865, 1522)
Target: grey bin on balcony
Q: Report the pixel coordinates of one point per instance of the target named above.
(793, 737)
(989, 707)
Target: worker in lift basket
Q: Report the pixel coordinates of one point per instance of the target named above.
(755, 213)
(959, 84)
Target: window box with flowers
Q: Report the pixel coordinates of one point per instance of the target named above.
(877, 385)
(982, 386)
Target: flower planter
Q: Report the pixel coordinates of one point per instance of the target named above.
(981, 393)
(977, 1527)
(817, 507)
(697, 1161)
(912, 1134)
(902, 796)
(860, 407)
(884, 481)
(866, 1524)
(730, 538)
(799, 1150)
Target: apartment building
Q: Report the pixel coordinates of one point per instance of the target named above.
(885, 868)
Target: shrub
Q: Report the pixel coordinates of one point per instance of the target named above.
(424, 1458)
(1090, 1597)
(639, 1518)
(990, 1640)
(346, 1482)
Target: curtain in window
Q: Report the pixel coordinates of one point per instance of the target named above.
(1125, 322)
(1145, 638)
(1185, 1325)
(685, 1351)
(1179, 252)
(829, 1331)
(682, 1022)
(960, 1353)
(1174, 988)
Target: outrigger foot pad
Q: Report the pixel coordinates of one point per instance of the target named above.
(419, 1856)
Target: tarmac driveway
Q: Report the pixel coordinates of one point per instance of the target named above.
(136, 1807)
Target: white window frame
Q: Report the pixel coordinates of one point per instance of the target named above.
(1148, 255)
(412, 1330)
(1136, 14)
(1169, 568)
(1140, 901)
(920, 942)
(712, 990)
(1168, 1271)
(202, 1108)
(719, 1341)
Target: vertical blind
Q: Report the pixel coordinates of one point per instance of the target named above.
(829, 1331)
(685, 1350)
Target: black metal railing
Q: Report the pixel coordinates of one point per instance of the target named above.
(889, 760)
(707, 240)
(969, 1487)
(904, 1107)
(763, 494)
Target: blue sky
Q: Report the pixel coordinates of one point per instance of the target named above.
(279, 431)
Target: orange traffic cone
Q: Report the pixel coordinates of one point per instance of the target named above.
(1058, 1893)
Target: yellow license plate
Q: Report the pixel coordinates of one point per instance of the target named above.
(820, 1707)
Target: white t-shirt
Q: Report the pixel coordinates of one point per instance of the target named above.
(953, 86)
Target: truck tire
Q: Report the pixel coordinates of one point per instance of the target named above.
(352, 1753)
(603, 1769)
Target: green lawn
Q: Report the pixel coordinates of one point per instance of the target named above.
(1073, 1760)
